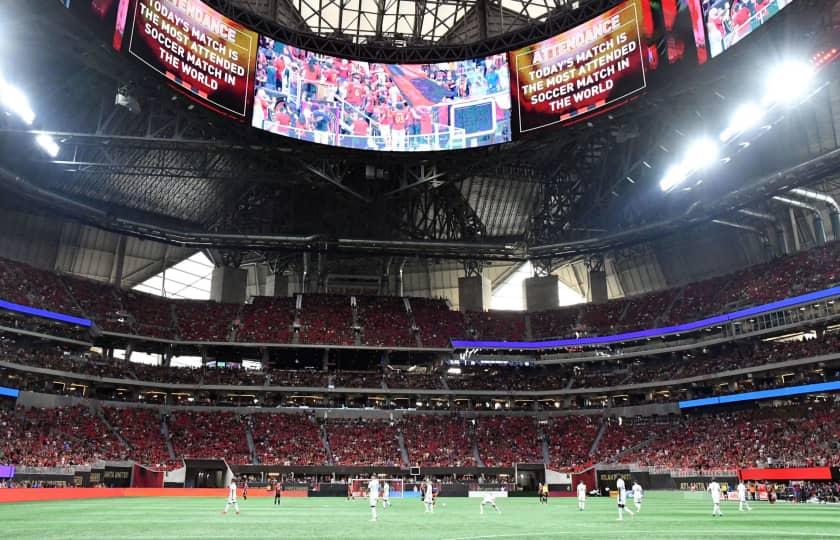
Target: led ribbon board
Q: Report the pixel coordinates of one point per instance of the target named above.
(832, 386)
(653, 332)
(43, 313)
(584, 69)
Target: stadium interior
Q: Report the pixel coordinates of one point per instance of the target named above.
(378, 267)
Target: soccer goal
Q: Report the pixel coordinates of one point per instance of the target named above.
(358, 486)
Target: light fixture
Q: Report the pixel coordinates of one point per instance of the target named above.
(702, 154)
(788, 83)
(16, 102)
(746, 117)
(47, 144)
(674, 176)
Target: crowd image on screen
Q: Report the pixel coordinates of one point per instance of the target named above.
(401, 107)
(729, 21)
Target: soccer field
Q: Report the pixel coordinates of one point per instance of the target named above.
(664, 515)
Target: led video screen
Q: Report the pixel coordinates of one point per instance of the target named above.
(581, 70)
(385, 107)
(197, 48)
(107, 17)
(730, 21)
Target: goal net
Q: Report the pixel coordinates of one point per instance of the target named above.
(358, 487)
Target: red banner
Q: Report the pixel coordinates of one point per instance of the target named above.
(798, 473)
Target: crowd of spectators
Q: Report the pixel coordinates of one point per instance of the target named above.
(806, 435)
(141, 429)
(204, 321)
(363, 442)
(266, 320)
(437, 322)
(504, 441)
(326, 319)
(497, 324)
(198, 434)
(55, 437)
(396, 378)
(287, 439)
(570, 439)
(384, 321)
(438, 441)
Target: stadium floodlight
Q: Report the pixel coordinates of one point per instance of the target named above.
(13, 99)
(746, 117)
(674, 176)
(702, 154)
(788, 83)
(47, 144)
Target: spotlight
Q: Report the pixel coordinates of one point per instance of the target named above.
(48, 144)
(702, 154)
(13, 99)
(788, 83)
(674, 176)
(746, 117)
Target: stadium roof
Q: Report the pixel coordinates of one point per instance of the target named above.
(404, 21)
(175, 171)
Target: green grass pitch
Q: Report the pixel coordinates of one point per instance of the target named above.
(664, 515)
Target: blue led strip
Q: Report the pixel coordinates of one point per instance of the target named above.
(11, 306)
(5, 391)
(652, 332)
(762, 394)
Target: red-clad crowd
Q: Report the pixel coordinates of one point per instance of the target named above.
(437, 322)
(287, 439)
(504, 441)
(326, 318)
(384, 321)
(141, 428)
(361, 442)
(215, 434)
(438, 441)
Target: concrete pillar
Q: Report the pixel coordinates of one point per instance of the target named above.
(128, 350)
(819, 230)
(597, 286)
(474, 293)
(278, 285)
(168, 353)
(794, 231)
(229, 285)
(834, 218)
(541, 293)
(781, 241)
(119, 262)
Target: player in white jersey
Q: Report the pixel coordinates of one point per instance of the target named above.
(373, 495)
(637, 496)
(386, 495)
(581, 493)
(231, 498)
(622, 499)
(714, 489)
(490, 499)
(742, 498)
(429, 497)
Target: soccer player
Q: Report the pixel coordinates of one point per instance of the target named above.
(490, 499)
(386, 495)
(540, 492)
(373, 495)
(545, 494)
(245, 489)
(278, 491)
(231, 499)
(742, 497)
(622, 499)
(581, 493)
(429, 497)
(714, 489)
(637, 496)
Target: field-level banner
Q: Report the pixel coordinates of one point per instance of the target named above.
(198, 49)
(581, 70)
